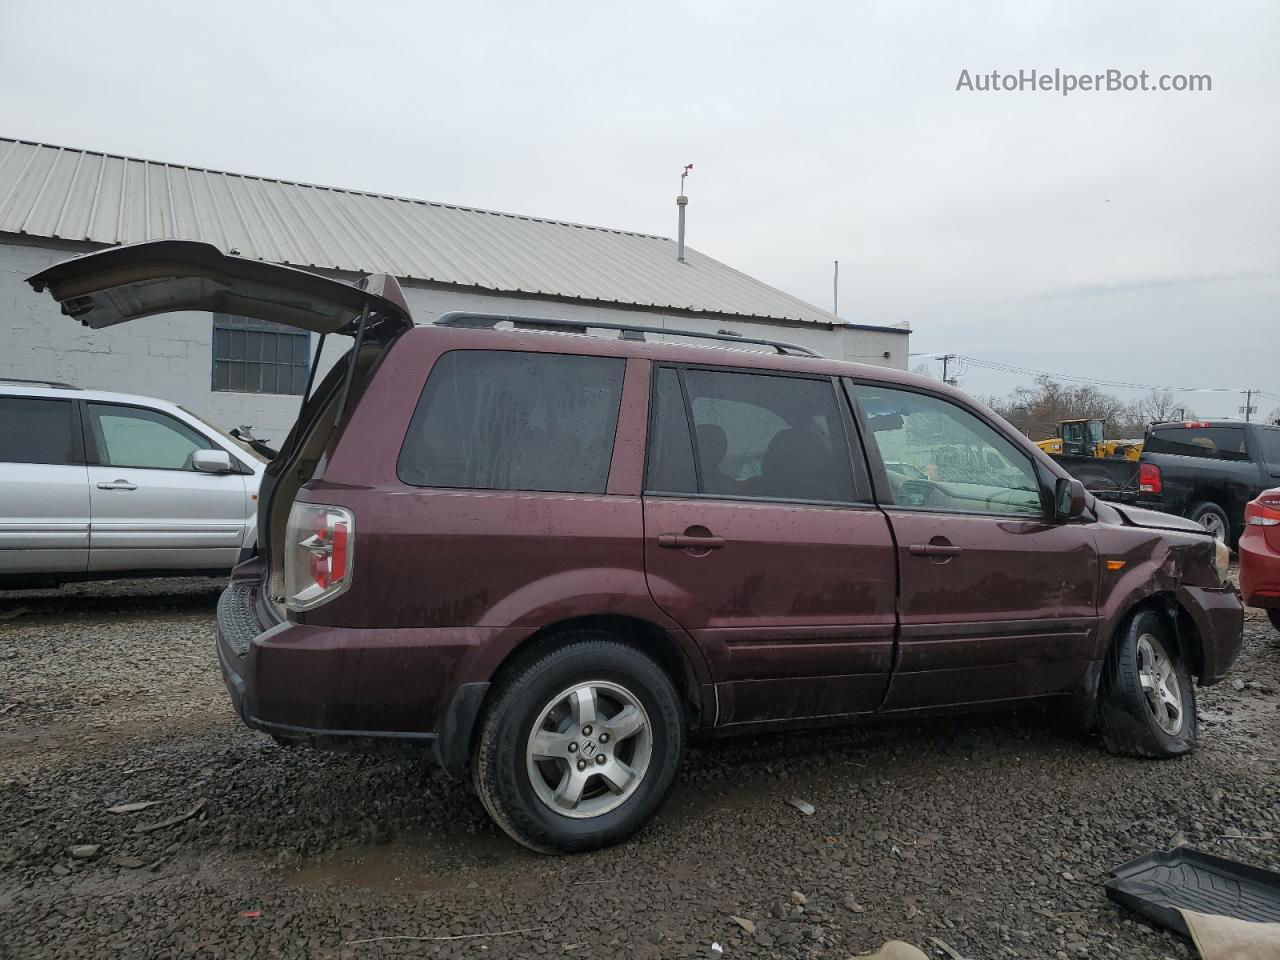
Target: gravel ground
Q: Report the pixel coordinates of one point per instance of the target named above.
(992, 834)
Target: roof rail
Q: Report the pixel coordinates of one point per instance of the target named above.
(630, 331)
(42, 383)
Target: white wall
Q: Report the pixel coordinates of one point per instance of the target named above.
(171, 356)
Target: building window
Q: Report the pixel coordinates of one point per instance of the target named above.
(257, 356)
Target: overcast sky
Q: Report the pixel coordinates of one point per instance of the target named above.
(1127, 236)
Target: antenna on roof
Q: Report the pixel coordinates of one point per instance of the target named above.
(681, 202)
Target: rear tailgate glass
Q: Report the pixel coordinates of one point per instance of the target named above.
(1215, 443)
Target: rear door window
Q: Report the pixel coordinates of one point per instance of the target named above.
(1217, 443)
(1269, 440)
(146, 439)
(510, 420)
(35, 430)
(754, 436)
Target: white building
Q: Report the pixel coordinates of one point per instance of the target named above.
(57, 202)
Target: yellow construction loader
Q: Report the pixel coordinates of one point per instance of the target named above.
(1085, 438)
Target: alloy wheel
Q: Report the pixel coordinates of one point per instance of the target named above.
(1213, 523)
(589, 749)
(1159, 681)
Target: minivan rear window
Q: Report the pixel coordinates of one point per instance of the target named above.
(1217, 443)
(510, 420)
(35, 430)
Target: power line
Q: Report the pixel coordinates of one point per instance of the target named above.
(1031, 372)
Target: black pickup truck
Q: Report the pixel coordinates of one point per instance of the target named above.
(1207, 470)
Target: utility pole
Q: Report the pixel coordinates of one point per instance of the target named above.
(1248, 404)
(946, 363)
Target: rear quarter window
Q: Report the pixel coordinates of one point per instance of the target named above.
(510, 420)
(1269, 440)
(1214, 443)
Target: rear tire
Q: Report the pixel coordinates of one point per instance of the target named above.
(1274, 616)
(579, 745)
(1146, 704)
(1213, 518)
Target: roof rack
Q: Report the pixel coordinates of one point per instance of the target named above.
(630, 331)
(58, 384)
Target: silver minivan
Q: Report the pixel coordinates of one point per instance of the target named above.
(97, 485)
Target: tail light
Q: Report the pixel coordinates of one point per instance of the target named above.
(318, 554)
(1265, 512)
(1149, 480)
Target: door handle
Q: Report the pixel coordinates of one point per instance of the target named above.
(117, 485)
(932, 549)
(684, 541)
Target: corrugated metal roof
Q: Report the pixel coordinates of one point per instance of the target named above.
(50, 191)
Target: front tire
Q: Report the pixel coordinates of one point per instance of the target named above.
(580, 744)
(1274, 616)
(1147, 704)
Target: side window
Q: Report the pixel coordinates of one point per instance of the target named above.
(1269, 438)
(755, 435)
(938, 456)
(670, 468)
(508, 420)
(1199, 440)
(35, 430)
(134, 437)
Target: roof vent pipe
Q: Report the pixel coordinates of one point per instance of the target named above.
(681, 202)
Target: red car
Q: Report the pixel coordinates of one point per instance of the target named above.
(1260, 554)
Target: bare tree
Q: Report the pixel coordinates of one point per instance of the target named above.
(1036, 411)
(1161, 405)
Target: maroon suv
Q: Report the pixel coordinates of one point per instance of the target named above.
(552, 554)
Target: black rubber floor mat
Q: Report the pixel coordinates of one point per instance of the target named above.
(1157, 884)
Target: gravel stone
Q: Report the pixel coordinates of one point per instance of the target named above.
(117, 698)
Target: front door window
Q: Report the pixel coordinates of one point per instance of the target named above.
(939, 457)
(147, 439)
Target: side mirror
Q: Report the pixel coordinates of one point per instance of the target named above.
(212, 461)
(885, 421)
(1068, 499)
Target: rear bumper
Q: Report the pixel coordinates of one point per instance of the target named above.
(1218, 615)
(341, 688)
(1259, 571)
